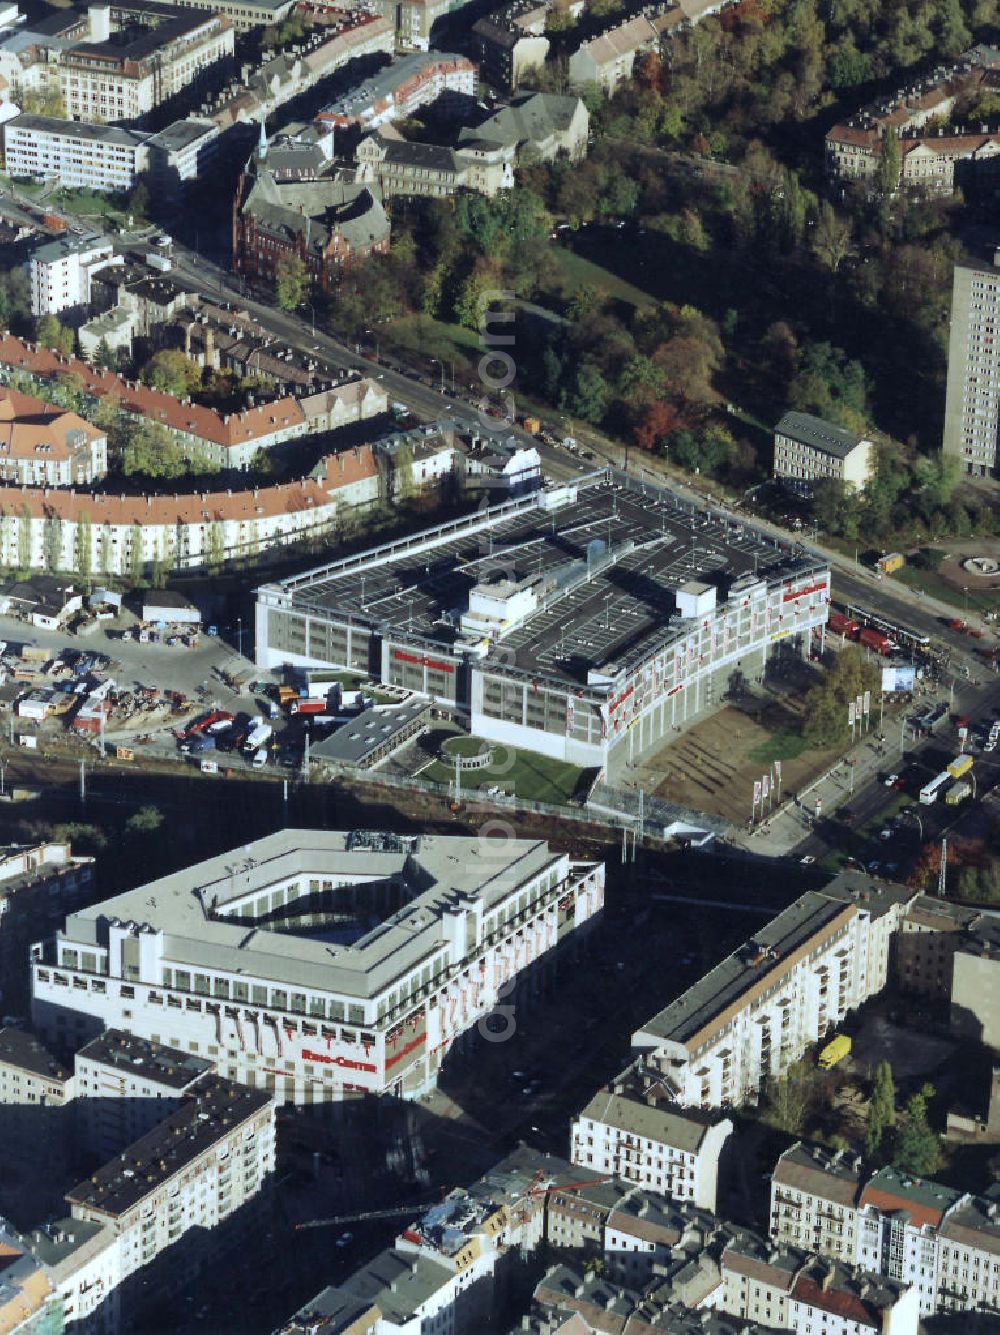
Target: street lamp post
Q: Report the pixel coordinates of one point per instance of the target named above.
(370, 333)
(239, 636)
(436, 361)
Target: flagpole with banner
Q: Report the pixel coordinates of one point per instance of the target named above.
(756, 799)
(764, 791)
(868, 710)
(850, 719)
(777, 775)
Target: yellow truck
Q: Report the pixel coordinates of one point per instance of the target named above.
(959, 766)
(888, 564)
(835, 1051)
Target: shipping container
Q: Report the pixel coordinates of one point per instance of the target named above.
(958, 792)
(894, 561)
(308, 706)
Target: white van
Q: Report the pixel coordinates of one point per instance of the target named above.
(260, 758)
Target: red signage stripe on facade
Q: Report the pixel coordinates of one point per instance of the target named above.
(337, 1061)
(403, 657)
(403, 1051)
(803, 593)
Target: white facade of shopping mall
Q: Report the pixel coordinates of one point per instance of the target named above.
(466, 924)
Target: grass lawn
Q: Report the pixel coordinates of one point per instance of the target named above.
(433, 338)
(786, 745)
(581, 272)
(929, 581)
(527, 775)
(464, 746)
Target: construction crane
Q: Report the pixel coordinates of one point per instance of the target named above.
(534, 1191)
(413, 1208)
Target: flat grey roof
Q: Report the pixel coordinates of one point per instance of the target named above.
(818, 433)
(644, 543)
(765, 953)
(354, 742)
(155, 1062)
(438, 869)
(108, 134)
(398, 1282)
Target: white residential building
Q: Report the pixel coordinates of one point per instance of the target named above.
(125, 1086)
(639, 1137)
(95, 157)
(942, 1243)
(807, 449)
(178, 961)
(43, 446)
(185, 1189)
(61, 273)
(748, 1019)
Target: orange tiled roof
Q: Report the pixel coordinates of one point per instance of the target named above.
(227, 430)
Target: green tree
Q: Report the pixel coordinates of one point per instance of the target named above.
(139, 202)
(918, 1146)
(104, 550)
(169, 370)
(588, 395)
(791, 1099)
(51, 334)
(104, 357)
(825, 710)
(24, 544)
(291, 282)
(84, 549)
(881, 1113)
(215, 550)
(889, 164)
(52, 541)
(151, 451)
(146, 820)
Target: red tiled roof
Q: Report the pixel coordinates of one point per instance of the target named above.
(888, 1203)
(228, 430)
(841, 1302)
(341, 470)
(27, 423)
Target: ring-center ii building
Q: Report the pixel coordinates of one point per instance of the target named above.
(585, 622)
(321, 964)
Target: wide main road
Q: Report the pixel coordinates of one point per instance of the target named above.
(852, 583)
(422, 399)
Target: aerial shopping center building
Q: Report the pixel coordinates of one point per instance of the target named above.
(586, 621)
(265, 960)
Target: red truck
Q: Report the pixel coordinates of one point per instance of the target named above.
(841, 625)
(308, 707)
(204, 723)
(875, 640)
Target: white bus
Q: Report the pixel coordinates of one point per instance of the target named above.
(929, 792)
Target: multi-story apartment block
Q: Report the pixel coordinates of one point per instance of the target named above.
(949, 953)
(511, 43)
(183, 1191)
(409, 83)
(972, 405)
(807, 449)
(29, 1301)
(97, 157)
(610, 58)
(138, 53)
(243, 14)
(125, 1086)
(106, 157)
(631, 1130)
(189, 531)
(39, 884)
(644, 1231)
(943, 1244)
(30, 1076)
(748, 1019)
(813, 1197)
(42, 446)
(853, 147)
(61, 273)
(189, 960)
